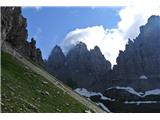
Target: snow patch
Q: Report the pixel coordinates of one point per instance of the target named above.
(104, 107)
(152, 92)
(140, 102)
(84, 92)
(128, 89)
(140, 94)
(106, 98)
(143, 77)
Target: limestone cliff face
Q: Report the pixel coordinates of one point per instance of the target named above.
(137, 66)
(13, 26)
(141, 57)
(13, 31)
(81, 67)
(56, 63)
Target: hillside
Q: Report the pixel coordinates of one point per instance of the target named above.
(26, 91)
(26, 86)
(23, 90)
(14, 31)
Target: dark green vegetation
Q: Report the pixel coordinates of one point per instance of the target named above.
(25, 91)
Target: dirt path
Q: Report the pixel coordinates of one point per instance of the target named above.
(52, 79)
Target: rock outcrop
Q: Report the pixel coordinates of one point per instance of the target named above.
(56, 63)
(123, 94)
(80, 67)
(141, 58)
(138, 66)
(13, 31)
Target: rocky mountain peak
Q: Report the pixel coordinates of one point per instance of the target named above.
(14, 31)
(81, 67)
(33, 42)
(141, 57)
(78, 52)
(96, 50)
(57, 55)
(81, 45)
(151, 27)
(57, 50)
(153, 19)
(56, 63)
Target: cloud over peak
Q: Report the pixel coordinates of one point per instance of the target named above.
(111, 41)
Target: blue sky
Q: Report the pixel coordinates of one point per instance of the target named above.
(107, 27)
(50, 25)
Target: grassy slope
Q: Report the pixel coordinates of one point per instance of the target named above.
(25, 91)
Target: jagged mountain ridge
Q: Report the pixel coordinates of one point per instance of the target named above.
(142, 54)
(27, 87)
(80, 67)
(14, 32)
(137, 66)
(141, 58)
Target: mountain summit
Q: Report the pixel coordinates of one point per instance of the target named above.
(137, 66)
(141, 58)
(14, 32)
(80, 67)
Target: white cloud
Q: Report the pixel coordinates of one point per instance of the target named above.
(111, 41)
(133, 17)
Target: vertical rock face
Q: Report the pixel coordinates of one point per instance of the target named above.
(81, 67)
(141, 56)
(5, 22)
(99, 64)
(13, 26)
(138, 66)
(56, 63)
(14, 32)
(78, 58)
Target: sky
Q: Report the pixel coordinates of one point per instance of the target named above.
(107, 27)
